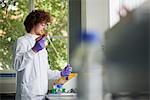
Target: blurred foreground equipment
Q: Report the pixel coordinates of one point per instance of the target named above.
(127, 52)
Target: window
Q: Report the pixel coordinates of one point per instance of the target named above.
(12, 14)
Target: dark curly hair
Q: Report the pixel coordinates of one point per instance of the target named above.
(35, 17)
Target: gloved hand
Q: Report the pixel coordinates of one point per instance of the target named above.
(66, 71)
(39, 45)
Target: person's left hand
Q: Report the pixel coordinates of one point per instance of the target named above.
(66, 71)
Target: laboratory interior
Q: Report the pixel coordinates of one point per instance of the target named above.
(85, 50)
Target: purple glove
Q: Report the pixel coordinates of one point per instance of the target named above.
(66, 71)
(39, 45)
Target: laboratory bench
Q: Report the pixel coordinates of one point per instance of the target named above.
(63, 96)
(73, 96)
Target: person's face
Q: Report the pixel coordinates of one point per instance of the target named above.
(39, 28)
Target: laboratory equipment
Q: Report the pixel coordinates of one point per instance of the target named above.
(126, 49)
(87, 61)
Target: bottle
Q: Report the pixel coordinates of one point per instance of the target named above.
(53, 88)
(87, 62)
(58, 90)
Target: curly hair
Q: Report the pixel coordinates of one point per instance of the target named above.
(35, 17)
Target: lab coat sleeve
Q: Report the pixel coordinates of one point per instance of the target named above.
(22, 56)
(53, 74)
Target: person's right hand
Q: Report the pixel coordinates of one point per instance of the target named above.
(39, 45)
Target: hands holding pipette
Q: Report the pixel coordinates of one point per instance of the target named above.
(40, 44)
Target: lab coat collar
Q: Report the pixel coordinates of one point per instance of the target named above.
(33, 36)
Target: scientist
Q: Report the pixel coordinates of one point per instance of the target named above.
(31, 59)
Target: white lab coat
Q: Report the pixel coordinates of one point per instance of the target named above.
(32, 69)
